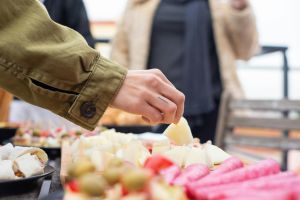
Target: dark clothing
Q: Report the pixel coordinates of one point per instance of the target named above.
(71, 13)
(167, 39)
(183, 47)
(205, 128)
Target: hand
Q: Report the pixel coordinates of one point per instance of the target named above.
(239, 4)
(150, 94)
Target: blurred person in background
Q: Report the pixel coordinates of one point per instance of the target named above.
(195, 43)
(71, 13)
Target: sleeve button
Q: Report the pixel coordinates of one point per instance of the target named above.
(88, 109)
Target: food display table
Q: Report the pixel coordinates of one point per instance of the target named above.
(174, 165)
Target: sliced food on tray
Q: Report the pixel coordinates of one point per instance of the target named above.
(51, 138)
(110, 144)
(21, 162)
(183, 150)
(120, 166)
(161, 179)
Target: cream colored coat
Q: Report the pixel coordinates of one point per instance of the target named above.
(235, 35)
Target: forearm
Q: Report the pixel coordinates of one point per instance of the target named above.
(52, 66)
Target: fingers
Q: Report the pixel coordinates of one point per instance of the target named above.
(150, 94)
(160, 85)
(174, 96)
(165, 106)
(151, 115)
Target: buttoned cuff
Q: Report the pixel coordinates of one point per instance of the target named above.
(100, 89)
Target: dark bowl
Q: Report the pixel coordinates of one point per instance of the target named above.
(23, 184)
(52, 152)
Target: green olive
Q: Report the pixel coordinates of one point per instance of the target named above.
(115, 162)
(135, 180)
(64, 135)
(36, 133)
(80, 168)
(92, 184)
(113, 175)
(78, 133)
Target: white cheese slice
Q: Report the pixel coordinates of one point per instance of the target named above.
(177, 154)
(179, 134)
(161, 146)
(197, 155)
(216, 155)
(134, 152)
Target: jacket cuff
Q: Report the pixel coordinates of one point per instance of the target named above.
(101, 87)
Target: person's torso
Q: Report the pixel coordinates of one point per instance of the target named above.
(138, 28)
(167, 40)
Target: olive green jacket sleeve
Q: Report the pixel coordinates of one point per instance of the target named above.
(52, 66)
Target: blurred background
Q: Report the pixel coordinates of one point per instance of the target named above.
(277, 26)
(272, 74)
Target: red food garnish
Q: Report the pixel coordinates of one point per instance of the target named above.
(149, 147)
(58, 130)
(157, 162)
(44, 133)
(73, 186)
(71, 133)
(124, 191)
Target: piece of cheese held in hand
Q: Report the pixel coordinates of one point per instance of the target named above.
(179, 134)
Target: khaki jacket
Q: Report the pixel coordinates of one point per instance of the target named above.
(51, 66)
(235, 35)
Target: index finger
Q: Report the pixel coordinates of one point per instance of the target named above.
(175, 96)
